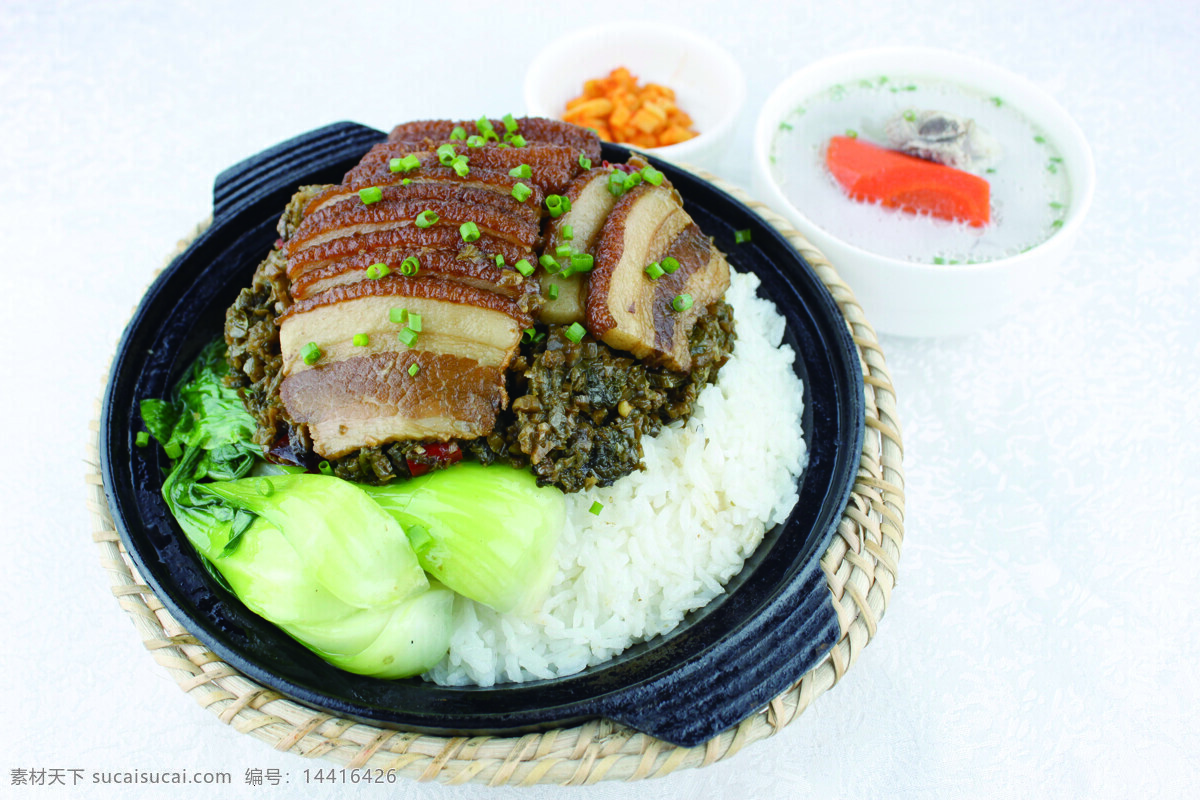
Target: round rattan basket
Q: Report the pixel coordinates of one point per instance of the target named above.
(860, 567)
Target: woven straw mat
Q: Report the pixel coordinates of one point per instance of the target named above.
(860, 567)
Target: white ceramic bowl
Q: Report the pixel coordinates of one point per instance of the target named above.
(912, 299)
(708, 83)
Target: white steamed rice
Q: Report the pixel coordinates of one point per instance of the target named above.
(668, 537)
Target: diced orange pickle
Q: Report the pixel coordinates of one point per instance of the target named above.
(621, 111)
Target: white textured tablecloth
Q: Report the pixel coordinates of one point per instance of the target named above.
(1042, 640)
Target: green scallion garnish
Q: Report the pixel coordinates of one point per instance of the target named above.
(853, 134)
(521, 192)
(485, 127)
(460, 166)
(910, 115)
(476, 141)
(446, 154)
(524, 267)
(652, 176)
(407, 337)
(654, 271)
(414, 321)
(682, 302)
(1040, 139)
(510, 123)
(469, 232)
(376, 271)
(406, 164)
(742, 236)
(670, 264)
(548, 263)
(517, 140)
(398, 316)
(616, 183)
(459, 133)
(568, 232)
(173, 450)
(563, 251)
(142, 439)
(372, 194)
(310, 353)
(552, 291)
(523, 171)
(410, 266)
(426, 218)
(632, 179)
(596, 508)
(499, 260)
(325, 468)
(584, 161)
(575, 332)
(413, 369)
(361, 340)
(554, 204)
(581, 262)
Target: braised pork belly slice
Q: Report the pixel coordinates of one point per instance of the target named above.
(628, 310)
(355, 396)
(478, 272)
(533, 129)
(552, 166)
(441, 237)
(591, 203)
(480, 185)
(353, 219)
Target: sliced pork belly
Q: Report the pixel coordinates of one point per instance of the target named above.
(478, 272)
(435, 180)
(553, 166)
(443, 238)
(355, 219)
(629, 311)
(363, 396)
(591, 202)
(533, 129)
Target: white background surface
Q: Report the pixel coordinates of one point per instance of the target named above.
(1042, 640)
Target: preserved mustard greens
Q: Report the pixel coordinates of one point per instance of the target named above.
(332, 565)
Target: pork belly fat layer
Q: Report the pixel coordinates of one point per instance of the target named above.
(591, 203)
(629, 311)
(480, 273)
(371, 400)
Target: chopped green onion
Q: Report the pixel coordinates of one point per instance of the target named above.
(410, 266)
(426, 218)
(407, 337)
(682, 302)
(459, 165)
(142, 439)
(517, 140)
(584, 161)
(173, 450)
(616, 183)
(596, 508)
(469, 231)
(510, 124)
(414, 321)
(459, 133)
(446, 154)
(499, 260)
(910, 115)
(563, 251)
(581, 262)
(552, 291)
(398, 315)
(310, 353)
(1040, 139)
(853, 134)
(1052, 169)
(568, 232)
(547, 261)
(485, 127)
(575, 332)
(632, 179)
(670, 264)
(524, 267)
(1056, 159)
(406, 164)
(325, 468)
(523, 171)
(413, 369)
(370, 195)
(742, 236)
(1055, 205)
(521, 192)
(990, 170)
(476, 141)
(376, 271)
(654, 271)
(1058, 223)
(554, 204)
(361, 340)
(529, 333)
(783, 126)
(652, 176)
(997, 102)
(405, 181)
(939, 260)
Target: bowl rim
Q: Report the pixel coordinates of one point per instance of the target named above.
(712, 51)
(1066, 131)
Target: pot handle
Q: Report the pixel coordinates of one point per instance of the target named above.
(286, 165)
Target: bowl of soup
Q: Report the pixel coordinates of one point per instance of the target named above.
(929, 122)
